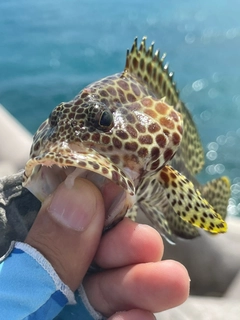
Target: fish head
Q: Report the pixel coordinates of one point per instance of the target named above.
(112, 144)
(114, 133)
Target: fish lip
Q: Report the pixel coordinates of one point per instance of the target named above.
(42, 176)
(95, 163)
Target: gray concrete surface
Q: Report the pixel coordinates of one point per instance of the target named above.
(201, 308)
(15, 143)
(208, 308)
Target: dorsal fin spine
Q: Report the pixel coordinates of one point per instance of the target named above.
(134, 46)
(150, 50)
(156, 56)
(135, 60)
(143, 45)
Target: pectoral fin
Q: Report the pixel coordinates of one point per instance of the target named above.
(188, 203)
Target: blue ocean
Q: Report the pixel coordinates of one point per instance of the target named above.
(50, 50)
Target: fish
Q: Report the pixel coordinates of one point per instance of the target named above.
(133, 137)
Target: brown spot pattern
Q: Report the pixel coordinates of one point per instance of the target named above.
(145, 133)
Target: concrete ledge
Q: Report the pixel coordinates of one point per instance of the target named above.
(15, 143)
(200, 308)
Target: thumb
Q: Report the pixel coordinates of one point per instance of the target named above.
(68, 228)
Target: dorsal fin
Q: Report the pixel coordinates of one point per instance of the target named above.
(150, 70)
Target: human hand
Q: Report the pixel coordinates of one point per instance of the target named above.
(134, 279)
(68, 229)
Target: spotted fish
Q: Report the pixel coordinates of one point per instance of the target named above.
(131, 135)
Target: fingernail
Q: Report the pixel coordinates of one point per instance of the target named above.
(73, 208)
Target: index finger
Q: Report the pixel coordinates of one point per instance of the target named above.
(129, 243)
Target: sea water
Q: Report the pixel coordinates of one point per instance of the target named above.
(49, 50)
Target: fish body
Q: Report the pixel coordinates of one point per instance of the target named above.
(131, 133)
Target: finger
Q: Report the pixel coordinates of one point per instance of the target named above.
(135, 314)
(68, 228)
(129, 243)
(150, 286)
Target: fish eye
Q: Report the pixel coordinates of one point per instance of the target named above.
(100, 117)
(106, 119)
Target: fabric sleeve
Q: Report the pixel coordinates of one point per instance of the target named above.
(31, 289)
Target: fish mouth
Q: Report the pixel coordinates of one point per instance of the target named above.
(43, 174)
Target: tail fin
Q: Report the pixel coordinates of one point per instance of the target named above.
(217, 192)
